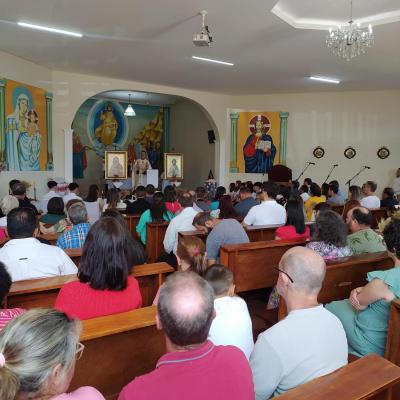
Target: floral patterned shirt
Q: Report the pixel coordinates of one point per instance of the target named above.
(329, 251)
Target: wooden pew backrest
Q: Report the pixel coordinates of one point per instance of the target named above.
(371, 377)
(132, 220)
(155, 232)
(253, 263)
(392, 352)
(75, 255)
(118, 348)
(43, 292)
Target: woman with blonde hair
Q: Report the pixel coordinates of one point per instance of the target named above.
(38, 351)
(7, 204)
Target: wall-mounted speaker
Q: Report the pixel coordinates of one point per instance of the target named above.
(211, 136)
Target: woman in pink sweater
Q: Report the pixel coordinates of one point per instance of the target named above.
(38, 351)
(105, 284)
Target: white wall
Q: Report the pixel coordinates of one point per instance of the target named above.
(364, 120)
(71, 90)
(188, 135)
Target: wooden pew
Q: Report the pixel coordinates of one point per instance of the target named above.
(342, 276)
(377, 215)
(338, 208)
(51, 237)
(75, 255)
(118, 348)
(392, 352)
(255, 233)
(253, 263)
(371, 377)
(132, 220)
(155, 232)
(43, 292)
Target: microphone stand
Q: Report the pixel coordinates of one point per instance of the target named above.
(304, 170)
(330, 172)
(355, 176)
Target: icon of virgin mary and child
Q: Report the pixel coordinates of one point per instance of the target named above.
(259, 150)
(23, 137)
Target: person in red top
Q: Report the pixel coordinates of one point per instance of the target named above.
(295, 227)
(171, 201)
(6, 315)
(105, 285)
(193, 368)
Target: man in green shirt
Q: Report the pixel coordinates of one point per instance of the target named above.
(362, 238)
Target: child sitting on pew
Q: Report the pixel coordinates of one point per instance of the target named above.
(232, 324)
(6, 315)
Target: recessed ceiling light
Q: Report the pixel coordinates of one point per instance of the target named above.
(323, 79)
(48, 29)
(213, 61)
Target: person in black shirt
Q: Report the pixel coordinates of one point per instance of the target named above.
(19, 191)
(140, 205)
(388, 198)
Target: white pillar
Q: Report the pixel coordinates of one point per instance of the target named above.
(68, 155)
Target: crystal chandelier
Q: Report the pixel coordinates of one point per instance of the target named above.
(350, 41)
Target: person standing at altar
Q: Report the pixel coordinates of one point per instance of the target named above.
(140, 168)
(259, 150)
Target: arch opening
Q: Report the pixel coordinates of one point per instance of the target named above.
(163, 123)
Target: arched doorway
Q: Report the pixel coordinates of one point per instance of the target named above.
(163, 123)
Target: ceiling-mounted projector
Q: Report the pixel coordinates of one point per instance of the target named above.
(204, 38)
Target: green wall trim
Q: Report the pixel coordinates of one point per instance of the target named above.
(233, 167)
(49, 130)
(283, 136)
(3, 155)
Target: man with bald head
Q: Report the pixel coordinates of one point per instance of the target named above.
(309, 342)
(193, 368)
(362, 238)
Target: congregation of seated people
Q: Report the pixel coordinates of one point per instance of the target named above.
(212, 349)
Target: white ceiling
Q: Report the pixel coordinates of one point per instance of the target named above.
(156, 99)
(150, 41)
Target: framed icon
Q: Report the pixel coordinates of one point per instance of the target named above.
(173, 166)
(116, 164)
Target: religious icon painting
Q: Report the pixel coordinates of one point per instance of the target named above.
(173, 166)
(383, 153)
(116, 164)
(318, 152)
(350, 152)
(25, 128)
(259, 141)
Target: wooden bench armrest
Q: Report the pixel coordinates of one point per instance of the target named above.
(117, 323)
(152, 269)
(359, 380)
(229, 248)
(56, 282)
(392, 351)
(38, 285)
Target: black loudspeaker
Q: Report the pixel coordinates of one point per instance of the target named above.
(211, 136)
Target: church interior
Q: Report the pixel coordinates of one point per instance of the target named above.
(249, 145)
